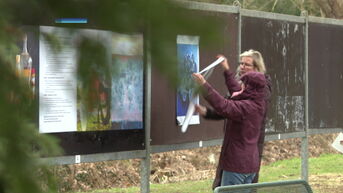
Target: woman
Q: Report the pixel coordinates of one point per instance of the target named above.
(244, 111)
(250, 61)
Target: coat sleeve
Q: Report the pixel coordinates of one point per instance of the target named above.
(225, 107)
(212, 115)
(231, 83)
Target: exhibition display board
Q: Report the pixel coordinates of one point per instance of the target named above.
(167, 102)
(115, 120)
(325, 75)
(282, 45)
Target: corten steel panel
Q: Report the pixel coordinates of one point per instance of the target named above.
(164, 128)
(325, 76)
(282, 46)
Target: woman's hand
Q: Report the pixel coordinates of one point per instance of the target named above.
(199, 78)
(224, 63)
(201, 109)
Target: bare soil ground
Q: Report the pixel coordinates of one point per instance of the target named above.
(194, 164)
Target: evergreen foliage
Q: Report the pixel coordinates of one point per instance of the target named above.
(21, 145)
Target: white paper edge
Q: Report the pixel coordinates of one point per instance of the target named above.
(189, 118)
(337, 143)
(184, 39)
(190, 112)
(214, 64)
(194, 120)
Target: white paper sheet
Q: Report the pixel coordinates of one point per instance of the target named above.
(190, 112)
(337, 143)
(191, 106)
(214, 64)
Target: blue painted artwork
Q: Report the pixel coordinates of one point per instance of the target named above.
(127, 93)
(188, 60)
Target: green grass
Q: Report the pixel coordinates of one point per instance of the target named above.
(281, 170)
(291, 169)
(278, 171)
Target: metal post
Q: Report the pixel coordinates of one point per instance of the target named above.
(239, 43)
(145, 163)
(304, 140)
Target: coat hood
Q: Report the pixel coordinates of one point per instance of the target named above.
(255, 84)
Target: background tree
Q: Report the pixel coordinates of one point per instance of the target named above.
(20, 143)
(330, 8)
(320, 8)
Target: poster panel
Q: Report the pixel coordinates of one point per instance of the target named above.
(188, 63)
(57, 83)
(127, 86)
(95, 118)
(52, 75)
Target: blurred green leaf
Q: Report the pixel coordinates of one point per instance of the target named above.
(21, 145)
